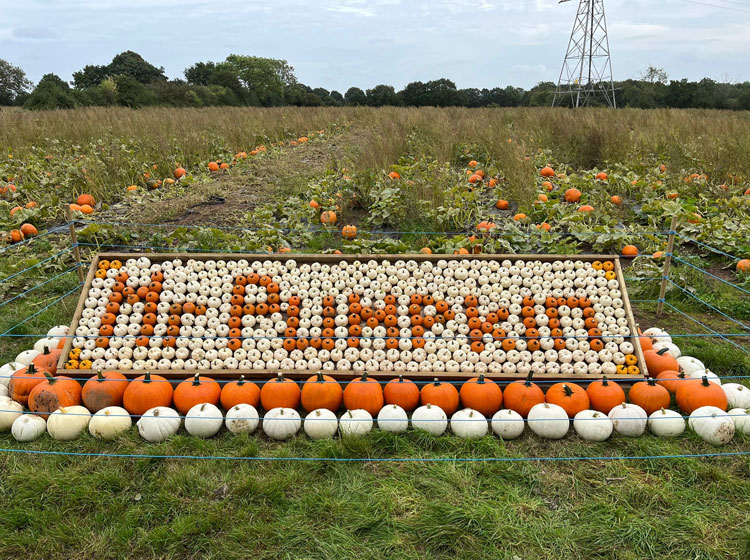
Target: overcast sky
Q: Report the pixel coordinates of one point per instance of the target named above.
(339, 43)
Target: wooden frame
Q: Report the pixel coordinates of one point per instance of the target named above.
(328, 258)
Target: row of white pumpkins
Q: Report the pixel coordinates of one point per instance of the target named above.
(546, 420)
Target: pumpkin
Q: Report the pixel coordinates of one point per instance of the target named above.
(630, 251)
(572, 195)
(196, 390)
(507, 424)
(364, 394)
(695, 394)
(67, 423)
(671, 380)
(671, 348)
(321, 391)
(549, 421)
(85, 199)
(109, 423)
(393, 418)
(712, 424)
(440, 394)
(47, 360)
(711, 376)
(349, 232)
(280, 393)
(9, 411)
(54, 393)
(547, 172)
(521, 396)
(7, 370)
(658, 361)
(242, 418)
(402, 392)
(145, 393)
(666, 423)
(23, 381)
(46, 342)
(469, 423)
(158, 424)
(738, 396)
(104, 390)
(741, 419)
(204, 420)
(281, 423)
(629, 419)
(328, 218)
(430, 418)
(689, 365)
(355, 422)
(592, 425)
(572, 398)
(28, 427)
(482, 395)
(604, 395)
(649, 396)
(321, 424)
(240, 392)
(26, 357)
(3, 390)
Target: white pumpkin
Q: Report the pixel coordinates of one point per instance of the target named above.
(321, 423)
(47, 342)
(707, 373)
(203, 420)
(25, 357)
(109, 423)
(28, 427)
(688, 364)
(548, 420)
(158, 424)
(58, 331)
(242, 419)
(741, 419)
(666, 423)
(7, 370)
(508, 424)
(657, 335)
(629, 419)
(469, 423)
(393, 418)
(592, 425)
(355, 422)
(68, 423)
(430, 418)
(738, 396)
(3, 390)
(712, 424)
(671, 348)
(281, 423)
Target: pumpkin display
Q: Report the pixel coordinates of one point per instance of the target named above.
(393, 418)
(239, 392)
(659, 361)
(54, 393)
(549, 421)
(402, 392)
(242, 418)
(147, 392)
(741, 419)
(712, 424)
(629, 419)
(364, 393)
(109, 423)
(469, 423)
(666, 423)
(571, 397)
(280, 393)
(482, 395)
(738, 396)
(203, 420)
(28, 427)
(507, 423)
(281, 423)
(604, 395)
(104, 390)
(695, 394)
(441, 394)
(355, 422)
(47, 360)
(521, 396)
(649, 396)
(321, 391)
(158, 424)
(321, 424)
(592, 425)
(68, 423)
(9, 411)
(430, 418)
(195, 390)
(23, 381)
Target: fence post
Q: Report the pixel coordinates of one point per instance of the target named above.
(667, 264)
(74, 243)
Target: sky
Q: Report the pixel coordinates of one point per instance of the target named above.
(337, 44)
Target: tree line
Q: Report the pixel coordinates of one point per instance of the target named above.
(239, 80)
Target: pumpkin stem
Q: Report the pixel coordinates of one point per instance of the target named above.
(651, 382)
(528, 382)
(320, 377)
(197, 379)
(568, 391)
(280, 378)
(241, 380)
(605, 381)
(30, 369)
(99, 376)
(662, 351)
(400, 378)
(481, 379)
(147, 377)
(156, 412)
(704, 381)
(49, 376)
(46, 351)
(364, 376)
(203, 406)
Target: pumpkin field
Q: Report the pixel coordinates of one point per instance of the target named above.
(365, 333)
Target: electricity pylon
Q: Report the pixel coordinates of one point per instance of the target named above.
(587, 69)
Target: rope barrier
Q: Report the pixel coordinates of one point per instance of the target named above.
(675, 257)
(51, 231)
(43, 309)
(71, 269)
(692, 295)
(715, 250)
(40, 263)
(745, 350)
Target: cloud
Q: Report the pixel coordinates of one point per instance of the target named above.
(34, 33)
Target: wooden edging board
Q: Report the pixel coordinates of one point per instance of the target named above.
(264, 374)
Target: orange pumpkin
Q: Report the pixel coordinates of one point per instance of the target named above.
(483, 395)
(572, 398)
(521, 396)
(196, 390)
(402, 392)
(630, 251)
(47, 360)
(23, 381)
(321, 391)
(328, 218)
(699, 392)
(604, 395)
(240, 392)
(349, 232)
(145, 392)
(54, 393)
(364, 393)
(656, 362)
(547, 172)
(572, 195)
(440, 394)
(649, 396)
(85, 199)
(103, 390)
(280, 392)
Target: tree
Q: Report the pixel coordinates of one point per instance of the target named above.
(414, 94)
(337, 97)
(132, 64)
(264, 78)
(13, 82)
(50, 93)
(90, 76)
(355, 96)
(382, 95)
(200, 73)
(652, 74)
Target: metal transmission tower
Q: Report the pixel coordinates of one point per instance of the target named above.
(587, 69)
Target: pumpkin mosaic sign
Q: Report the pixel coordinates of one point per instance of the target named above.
(431, 315)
